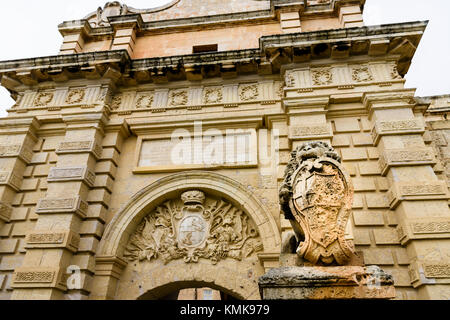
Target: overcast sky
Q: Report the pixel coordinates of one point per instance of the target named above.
(30, 29)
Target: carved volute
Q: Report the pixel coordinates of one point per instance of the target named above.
(317, 198)
(192, 227)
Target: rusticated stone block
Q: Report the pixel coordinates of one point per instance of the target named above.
(341, 141)
(368, 218)
(369, 168)
(351, 154)
(106, 167)
(92, 228)
(362, 237)
(10, 179)
(377, 201)
(30, 184)
(347, 125)
(364, 184)
(362, 139)
(429, 272)
(8, 246)
(10, 263)
(88, 244)
(5, 212)
(385, 236)
(39, 158)
(378, 257)
(23, 152)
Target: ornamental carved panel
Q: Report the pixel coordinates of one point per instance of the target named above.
(213, 95)
(361, 74)
(144, 102)
(178, 98)
(194, 227)
(249, 92)
(43, 99)
(75, 96)
(317, 198)
(322, 76)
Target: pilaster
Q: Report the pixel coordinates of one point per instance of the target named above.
(416, 195)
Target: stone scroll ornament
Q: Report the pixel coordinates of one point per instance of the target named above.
(192, 228)
(317, 196)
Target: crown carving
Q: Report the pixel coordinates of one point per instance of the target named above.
(193, 197)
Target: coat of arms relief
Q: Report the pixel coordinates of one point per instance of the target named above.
(193, 227)
(317, 198)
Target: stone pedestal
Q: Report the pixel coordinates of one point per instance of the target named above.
(314, 283)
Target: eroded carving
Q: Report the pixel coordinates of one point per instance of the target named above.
(361, 74)
(213, 95)
(179, 98)
(43, 99)
(192, 228)
(75, 96)
(322, 76)
(144, 102)
(33, 277)
(249, 92)
(113, 8)
(317, 197)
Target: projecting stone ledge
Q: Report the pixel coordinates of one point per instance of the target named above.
(314, 283)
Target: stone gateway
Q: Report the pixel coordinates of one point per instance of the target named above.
(240, 149)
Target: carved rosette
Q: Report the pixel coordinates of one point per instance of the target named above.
(317, 198)
(322, 76)
(194, 227)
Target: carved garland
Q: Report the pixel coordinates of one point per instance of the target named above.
(75, 96)
(43, 99)
(198, 227)
(179, 98)
(213, 95)
(249, 92)
(361, 74)
(322, 76)
(144, 102)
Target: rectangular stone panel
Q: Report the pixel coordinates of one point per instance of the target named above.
(232, 149)
(72, 174)
(8, 178)
(413, 191)
(53, 239)
(384, 128)
(430, 228)
(39, 278)
(312, 131)
(16, 150)
(406, 157)
(429, 272)
(62, 205)
(69, 147)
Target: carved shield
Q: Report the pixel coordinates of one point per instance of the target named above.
(322, 199)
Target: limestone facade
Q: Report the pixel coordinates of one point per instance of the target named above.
(131, 167)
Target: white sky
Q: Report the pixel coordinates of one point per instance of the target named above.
(30, 29)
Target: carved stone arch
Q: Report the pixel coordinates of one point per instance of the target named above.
(117, 234)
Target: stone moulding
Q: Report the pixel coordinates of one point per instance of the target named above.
(39, 278)
(416, 229)
(53, 239)
(10, 179)
(69, 147)
(21, 151)
(72, 174)
(68, 205)
(399, 127)
(406, 157)
(316, 283)
(417, 191)
(310, 132)
(5, 212)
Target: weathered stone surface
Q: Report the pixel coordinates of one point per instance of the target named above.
(299, 283)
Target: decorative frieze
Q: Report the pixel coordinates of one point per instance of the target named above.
(16, 150)
(310, 132)
(404, 157)
(441, 270)
(430, 228)
(67, 205)
(39, 278)
(72, 174)
(411, 191)
(10, 179)
(53, 239)
(80, 147)
(144, 101)
(361, 74)
(5, 212)
(385, 128)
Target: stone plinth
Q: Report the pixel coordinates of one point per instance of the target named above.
(314, 283)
